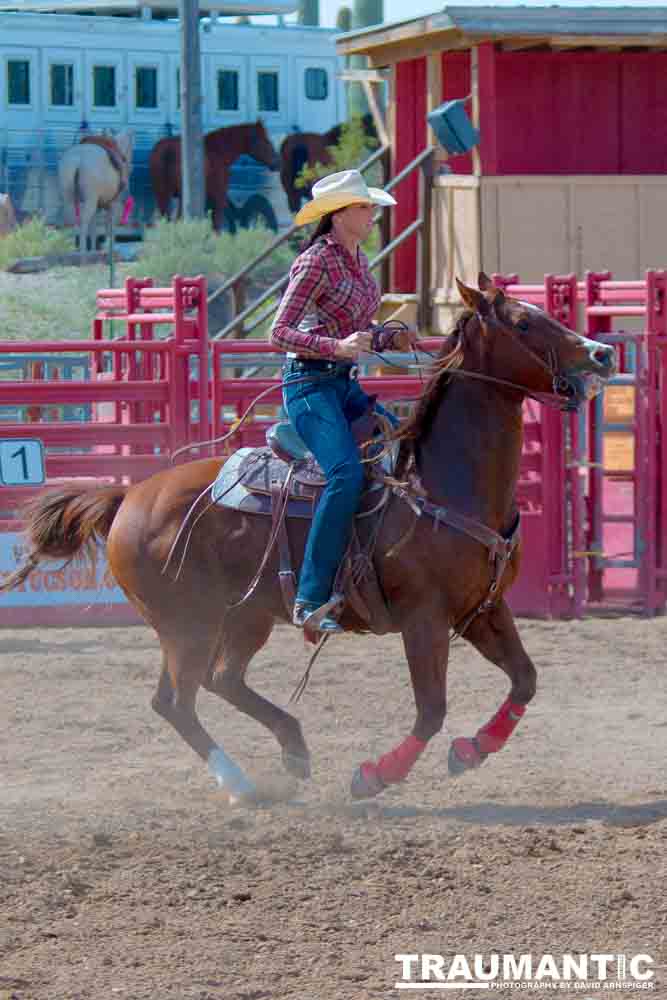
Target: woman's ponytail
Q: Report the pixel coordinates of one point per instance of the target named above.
(324, 226)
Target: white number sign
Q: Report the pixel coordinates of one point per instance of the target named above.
(21, 462)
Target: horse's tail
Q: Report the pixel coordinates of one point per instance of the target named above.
(163, 168)
(76, 194)
(66, 523)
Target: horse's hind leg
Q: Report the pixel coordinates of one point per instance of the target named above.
(245, 632)
(495, 636)
(184, 669)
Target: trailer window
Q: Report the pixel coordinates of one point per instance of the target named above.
(267, 90)
(228, 90)
(18, 81)
(145, 87)
(104, 86)
(61, 85)
(316, 83)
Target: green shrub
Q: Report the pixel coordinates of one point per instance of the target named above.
(353, 148)
(191, 247)
(33, 239)
(57, 305)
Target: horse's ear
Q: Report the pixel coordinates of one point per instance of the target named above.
(472, 298)
(491, 291)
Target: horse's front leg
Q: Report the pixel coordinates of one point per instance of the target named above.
(495, 636)
(426, 642)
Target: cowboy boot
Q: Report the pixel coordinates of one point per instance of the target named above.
(316, 618)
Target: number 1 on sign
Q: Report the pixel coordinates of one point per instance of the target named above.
(24, 460)
(21, 462)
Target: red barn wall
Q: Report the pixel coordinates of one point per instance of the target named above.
(573, 112)
(541, 112)
(456, 83)
(410, 140)
(643, 113)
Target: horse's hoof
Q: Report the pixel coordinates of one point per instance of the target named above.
(298, 765)
(464, 755)
(243, 799)
(366, 782)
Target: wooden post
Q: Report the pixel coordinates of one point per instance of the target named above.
(434, 96)
(476, 159)
(378, 118)
(424, 265)
(390, 167)
(474, 79)
(192, 150)
(385, 226)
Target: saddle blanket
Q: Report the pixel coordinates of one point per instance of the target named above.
(227, 491)
(230, 490)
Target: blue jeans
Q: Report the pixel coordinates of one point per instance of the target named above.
(321, 408)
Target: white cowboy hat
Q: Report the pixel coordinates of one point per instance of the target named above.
(338, 191)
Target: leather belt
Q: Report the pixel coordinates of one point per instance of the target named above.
(307, 365)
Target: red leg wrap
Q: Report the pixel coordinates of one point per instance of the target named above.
(495, 734)
(396, 765)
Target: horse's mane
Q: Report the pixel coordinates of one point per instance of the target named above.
(450, 356)
(416, 425)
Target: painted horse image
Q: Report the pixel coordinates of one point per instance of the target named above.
(94, 175)
(447, 547)
(306, 149)
(221, 148)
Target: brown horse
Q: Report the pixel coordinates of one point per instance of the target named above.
(221, 148)
(306, 149)
(445, 555)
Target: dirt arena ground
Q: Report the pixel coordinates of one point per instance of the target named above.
(124, 873)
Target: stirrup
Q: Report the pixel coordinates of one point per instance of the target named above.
(314, 619)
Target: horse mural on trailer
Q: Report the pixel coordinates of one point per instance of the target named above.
(446, 545)
(221, 148)
(306, 149)
(94, 175)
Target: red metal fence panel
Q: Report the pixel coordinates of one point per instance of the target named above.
(158, 384)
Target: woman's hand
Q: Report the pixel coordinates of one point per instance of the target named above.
(354, 345)
(394, 338)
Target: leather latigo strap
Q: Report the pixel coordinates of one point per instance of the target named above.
(498, 546)
(286, 574)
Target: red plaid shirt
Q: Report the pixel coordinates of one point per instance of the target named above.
(329, 296)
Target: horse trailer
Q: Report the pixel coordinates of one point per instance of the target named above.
(65, 74)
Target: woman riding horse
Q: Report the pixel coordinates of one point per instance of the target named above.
(446, 548)
(324, 322)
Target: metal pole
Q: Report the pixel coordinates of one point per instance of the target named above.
(112, 273)
(192, 151)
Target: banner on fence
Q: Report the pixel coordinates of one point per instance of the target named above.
(74, 594)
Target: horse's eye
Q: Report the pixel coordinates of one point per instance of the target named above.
(523, 325)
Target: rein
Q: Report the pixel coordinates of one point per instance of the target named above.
(383, 340)
(386, 335)
(560, 397)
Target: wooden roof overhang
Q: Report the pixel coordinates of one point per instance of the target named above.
(512, 28)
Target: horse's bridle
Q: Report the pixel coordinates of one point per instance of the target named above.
(562, 397)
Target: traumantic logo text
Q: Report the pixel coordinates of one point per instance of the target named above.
(526, 972)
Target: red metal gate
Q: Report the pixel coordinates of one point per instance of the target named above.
(603, 488)
(594, 533)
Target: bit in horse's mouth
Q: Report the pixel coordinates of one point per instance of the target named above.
(582, 387)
